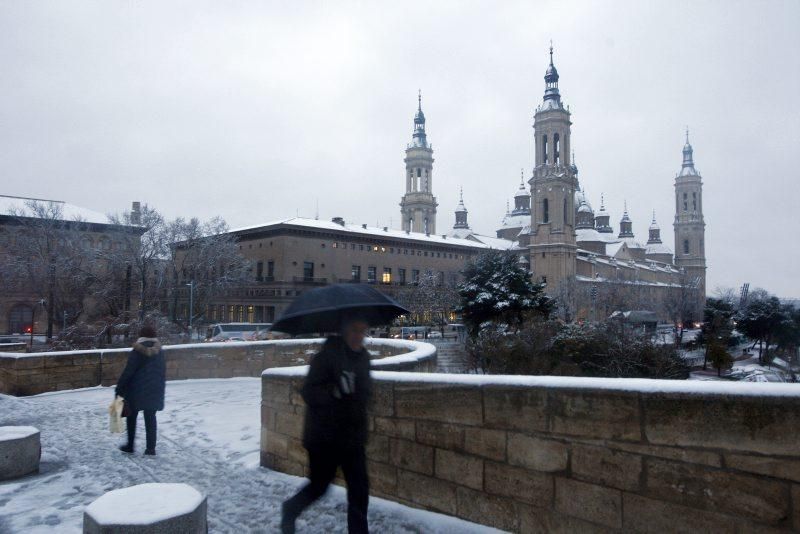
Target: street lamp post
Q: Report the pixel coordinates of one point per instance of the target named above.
(33, 318)
(191, 306)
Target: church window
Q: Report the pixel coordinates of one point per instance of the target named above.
(556, 149)
(685, 202)
(565, 211)
(694, 200)
(545, 211)
(426, 226)
(544, 149)
(686, 246)
(419, 172)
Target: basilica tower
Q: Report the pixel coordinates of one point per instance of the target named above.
(553, 187)
(690, 251)
(418, 206)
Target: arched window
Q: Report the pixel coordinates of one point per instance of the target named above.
(686, 246)
(565, 211)
(544, 149)
(427, 230)
(556, 149)
(685, 203)
(694, 200)
(419, 172)
(545, 211)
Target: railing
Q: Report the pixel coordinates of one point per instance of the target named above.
(309, 280)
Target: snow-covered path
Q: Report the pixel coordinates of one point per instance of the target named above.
(208, 437)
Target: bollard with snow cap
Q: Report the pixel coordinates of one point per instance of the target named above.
(20, 451)
(153, 508)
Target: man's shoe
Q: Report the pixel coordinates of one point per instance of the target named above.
(150, 452)
(126, 448)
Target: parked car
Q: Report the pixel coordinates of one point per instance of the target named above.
(238, 331)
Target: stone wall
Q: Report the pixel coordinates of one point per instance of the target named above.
(30, 374)
(558, 454)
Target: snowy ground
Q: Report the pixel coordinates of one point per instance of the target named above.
(208, 437)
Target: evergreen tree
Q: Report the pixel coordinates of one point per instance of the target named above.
(761, 320)
(497, 289)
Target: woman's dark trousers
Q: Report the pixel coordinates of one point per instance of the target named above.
(149, 428)
(323, 462)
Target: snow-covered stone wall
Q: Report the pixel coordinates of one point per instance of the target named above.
(30, 374)
(545, 454)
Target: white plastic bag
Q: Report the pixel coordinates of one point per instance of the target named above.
(115, 415)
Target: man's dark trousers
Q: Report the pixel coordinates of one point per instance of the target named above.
(323, 462)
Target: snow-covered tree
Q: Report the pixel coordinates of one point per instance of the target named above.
(430, 300)
(497, 289)
(761, 320)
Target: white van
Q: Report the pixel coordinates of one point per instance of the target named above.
(237, 331)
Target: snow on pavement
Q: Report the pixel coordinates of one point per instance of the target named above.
(208, 437)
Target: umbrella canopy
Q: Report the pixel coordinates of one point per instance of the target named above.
(322, 309)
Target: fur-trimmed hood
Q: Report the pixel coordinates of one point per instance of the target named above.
(147, 346)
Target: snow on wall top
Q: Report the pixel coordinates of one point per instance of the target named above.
(10, 433)
(70, 212)
(144, 504)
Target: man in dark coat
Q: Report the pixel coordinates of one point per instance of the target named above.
(142, 386)
(336, 392)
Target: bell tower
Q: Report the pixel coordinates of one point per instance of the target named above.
(690, 227)
(553, 186)
(418, 206)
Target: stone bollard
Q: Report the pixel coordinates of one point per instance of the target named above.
(148, 509)
(20, 451)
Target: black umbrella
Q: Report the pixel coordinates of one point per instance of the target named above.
(322, 309)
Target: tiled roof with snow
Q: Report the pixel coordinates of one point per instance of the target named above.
(657, 248)
(369, 231)
(69, 212)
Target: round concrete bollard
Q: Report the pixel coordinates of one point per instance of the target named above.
(148, 508)
(20, 451)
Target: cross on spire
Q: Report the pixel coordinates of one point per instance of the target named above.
(419, 99)
(551, 51)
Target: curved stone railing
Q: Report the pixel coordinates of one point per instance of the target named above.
(541, 454)
(30, 374)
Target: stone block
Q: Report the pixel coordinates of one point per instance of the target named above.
(382, 477)
(382, 401)
(764, 465)
(277, 444)
(378, 448)
(654, 516)
(429, 492)
(519, 483)
(534, 520)
(439, 402)
(275, 392)
(396, 428)
(682, 454)
(411, 456)
(459, 468)
(606, 467)
(605, 415)
(740, 495)
(148, 509)
(499, 512)
(536, 453)
(268, 416)
(442, 435)
(736, 423)
(589, 502)
(290, 424)
(486, 443)
(20, 451)
(32, 362)
(515, 408)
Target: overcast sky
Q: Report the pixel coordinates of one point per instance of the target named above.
(258, 112)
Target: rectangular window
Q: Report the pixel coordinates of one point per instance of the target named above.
(401, 276)
(387, 275)
(372, 275)
(270, 314)
(355, 273)
(415, 276)
(308, 270)
(251, 314)
(440, 279)
(270, 269)
(260, 271)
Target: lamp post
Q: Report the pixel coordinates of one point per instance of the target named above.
(191, 306)
(33, 318)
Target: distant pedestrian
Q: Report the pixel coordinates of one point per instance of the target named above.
(142, 386)
(336, 391)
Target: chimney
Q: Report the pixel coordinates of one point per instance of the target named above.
(444, 236)
(385, 228)
(364, 226)
(136, 213)
(338, 220)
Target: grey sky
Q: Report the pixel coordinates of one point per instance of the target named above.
(256, 112)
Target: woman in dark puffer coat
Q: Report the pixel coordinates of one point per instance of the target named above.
(142, 386)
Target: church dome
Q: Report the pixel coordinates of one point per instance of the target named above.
(522, 191)
(585, 208)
